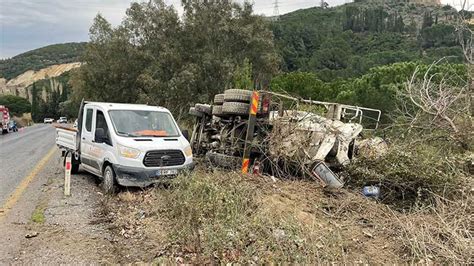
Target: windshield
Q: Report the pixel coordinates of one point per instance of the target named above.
(137, 123)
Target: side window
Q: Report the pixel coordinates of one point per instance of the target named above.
(100, 122)
(89, 114)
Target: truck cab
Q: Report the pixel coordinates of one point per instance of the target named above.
(127, 144)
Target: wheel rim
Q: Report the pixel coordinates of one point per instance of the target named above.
(108, 182)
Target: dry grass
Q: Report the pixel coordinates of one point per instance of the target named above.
(225, 217)
(442, 234)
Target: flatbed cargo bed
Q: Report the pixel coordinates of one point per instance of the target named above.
(66, 137)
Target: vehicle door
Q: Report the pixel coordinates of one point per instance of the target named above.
(101, 148)
(87, 137)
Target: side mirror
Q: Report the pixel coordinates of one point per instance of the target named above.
(185, 134)
(100, 135)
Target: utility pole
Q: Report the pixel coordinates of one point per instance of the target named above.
(323, 4)
(276, 11)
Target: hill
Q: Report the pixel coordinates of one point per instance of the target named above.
(346, 41)
(40, 58)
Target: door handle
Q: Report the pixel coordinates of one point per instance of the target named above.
(83, 138)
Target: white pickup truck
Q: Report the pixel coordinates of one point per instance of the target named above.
(126, 144)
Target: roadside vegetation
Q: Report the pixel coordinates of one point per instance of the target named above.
(219, 217)
(38, 215)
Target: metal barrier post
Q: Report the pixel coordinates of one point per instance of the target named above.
(250, 131)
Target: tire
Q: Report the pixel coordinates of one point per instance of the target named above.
(223, 161)
(217, 110)
(235, 108)
(109, 184)
(4, 131)
(219, 99)
(74, 163)
(235, 95)
(203, 108)
(194, 112)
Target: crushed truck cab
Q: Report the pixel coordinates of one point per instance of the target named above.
(126, 144)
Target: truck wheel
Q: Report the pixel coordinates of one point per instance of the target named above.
(223, 161)
(194, 112)
(74, 163)
(203, 108)
(235, 95)
(217, 110)
(235, 108)
(109, 185)
(219, 99)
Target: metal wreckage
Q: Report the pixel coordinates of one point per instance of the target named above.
(279, 135)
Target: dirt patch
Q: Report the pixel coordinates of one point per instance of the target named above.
(138, 230)
(61, 228)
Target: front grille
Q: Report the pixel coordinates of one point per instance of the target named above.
(164, 158)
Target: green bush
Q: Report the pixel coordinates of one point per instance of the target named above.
(17, 105)
(411, 173)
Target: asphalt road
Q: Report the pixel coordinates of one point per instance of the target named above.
(19, 154)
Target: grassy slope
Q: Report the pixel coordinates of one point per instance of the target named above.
(217, 217)
(41, 58)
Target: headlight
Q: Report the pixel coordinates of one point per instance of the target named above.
(128, 152)
(188, 151)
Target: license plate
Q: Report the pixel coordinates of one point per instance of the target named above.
(166, 172)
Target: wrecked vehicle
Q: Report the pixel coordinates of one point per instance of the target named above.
(281, 139)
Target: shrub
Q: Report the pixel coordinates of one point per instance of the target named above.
(410, 172)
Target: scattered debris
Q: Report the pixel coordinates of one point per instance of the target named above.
(31, 235)
(368, 234)
(329, 179)
(279, 234)
(371, 191)
(372, 148)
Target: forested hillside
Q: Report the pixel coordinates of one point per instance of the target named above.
(41, 58)
(357, 53)
(348, 40)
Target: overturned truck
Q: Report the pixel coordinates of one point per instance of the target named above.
(286, 136)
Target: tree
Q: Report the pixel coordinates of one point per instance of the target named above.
(154, 57)
(35, 103)
(427, 20)
(302, 84)
(17, 105)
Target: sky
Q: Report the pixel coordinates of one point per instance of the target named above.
(30, 24)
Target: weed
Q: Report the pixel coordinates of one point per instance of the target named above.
(38, 215)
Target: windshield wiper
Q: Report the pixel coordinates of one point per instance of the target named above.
(127, 134)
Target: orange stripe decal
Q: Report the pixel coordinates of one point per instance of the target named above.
(245, 166)
(255, 98)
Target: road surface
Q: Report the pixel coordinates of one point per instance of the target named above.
(20, 152)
